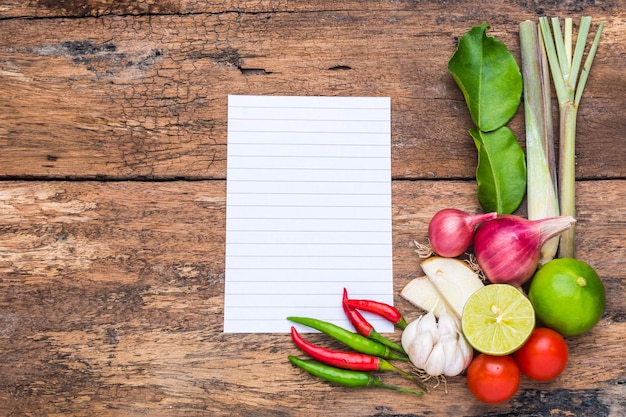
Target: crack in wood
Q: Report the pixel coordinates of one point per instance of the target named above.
(340, 68)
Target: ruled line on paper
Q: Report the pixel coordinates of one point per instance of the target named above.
(308, 209)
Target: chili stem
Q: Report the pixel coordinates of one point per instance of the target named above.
(377, 337)
(379, 383)
(387, 366)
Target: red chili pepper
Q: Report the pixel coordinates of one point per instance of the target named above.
(346, 360)
(363, 327)
(383, 310)
(349, 360)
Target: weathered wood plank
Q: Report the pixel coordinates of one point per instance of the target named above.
(111, 298)
(145, 96)
(98, 8)
(111, 293)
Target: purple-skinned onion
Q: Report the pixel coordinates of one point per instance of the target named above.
(508, 248)
(451, 231)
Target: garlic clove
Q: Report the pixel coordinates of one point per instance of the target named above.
(437, 346)
(455, 360)
(409, 334)
(448, 342)
(466, 350)
(421, 349)
(448, 324)
(460, 365)
(428, 324)
(436, 361)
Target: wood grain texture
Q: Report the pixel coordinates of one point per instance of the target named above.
(99, 8)
(111, 303)
(112, 196)
(145, 96)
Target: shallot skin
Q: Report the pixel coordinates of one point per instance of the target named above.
(508, 248)
(451, 231)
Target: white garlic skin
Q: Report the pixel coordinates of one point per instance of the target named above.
(437, 347)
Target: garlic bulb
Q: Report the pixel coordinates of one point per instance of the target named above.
(437, 347)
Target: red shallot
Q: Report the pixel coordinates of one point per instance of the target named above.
(451, 231)
(508, 248)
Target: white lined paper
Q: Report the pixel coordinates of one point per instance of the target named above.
(308, 209)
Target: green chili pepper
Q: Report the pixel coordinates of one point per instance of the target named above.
(354, 340)
(345, 377)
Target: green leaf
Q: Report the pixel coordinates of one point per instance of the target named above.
(489, 77)
(501, 170)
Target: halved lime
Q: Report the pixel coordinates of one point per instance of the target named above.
(497, 319)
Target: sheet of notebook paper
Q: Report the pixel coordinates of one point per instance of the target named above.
(308, 209)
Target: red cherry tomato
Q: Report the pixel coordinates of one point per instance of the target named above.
(493, 379)
(544, 355)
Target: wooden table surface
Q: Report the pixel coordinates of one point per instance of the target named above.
(112, 196)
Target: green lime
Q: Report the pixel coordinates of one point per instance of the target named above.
(568, 296)
(497, 319)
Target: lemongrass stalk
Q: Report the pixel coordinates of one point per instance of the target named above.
(567, 38)
(541, 193)
(569, 89)
(588, 62)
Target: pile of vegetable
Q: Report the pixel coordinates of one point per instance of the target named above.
(370, 350)
(497, 300)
